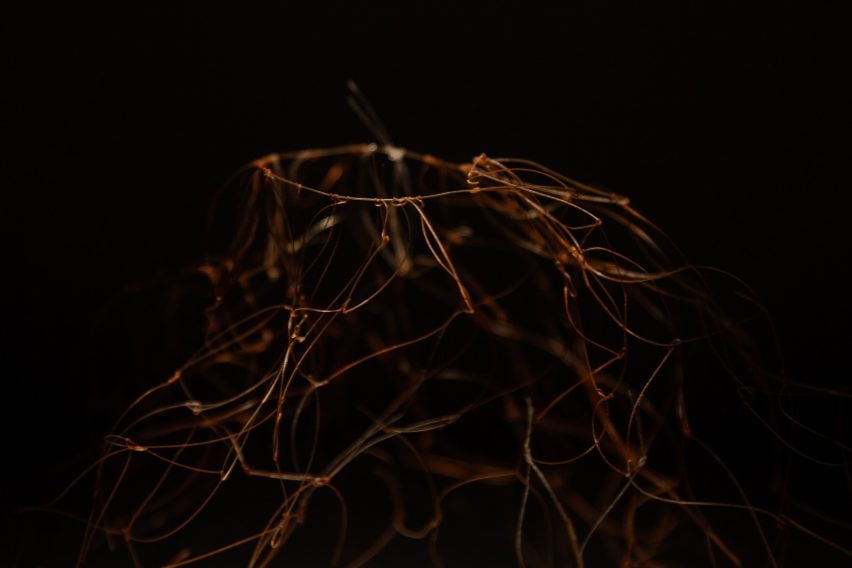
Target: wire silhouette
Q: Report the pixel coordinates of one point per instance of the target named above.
(387, 319)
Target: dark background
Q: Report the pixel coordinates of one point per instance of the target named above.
(726, 122)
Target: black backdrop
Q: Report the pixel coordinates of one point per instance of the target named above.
(726, 122)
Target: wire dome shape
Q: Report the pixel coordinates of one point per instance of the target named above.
(402, 348)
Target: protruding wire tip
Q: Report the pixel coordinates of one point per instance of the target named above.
(366, 113)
